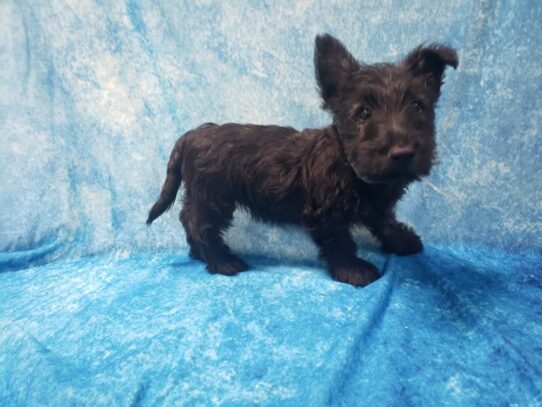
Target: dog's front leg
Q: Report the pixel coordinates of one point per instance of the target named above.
(396, 237)
(338, 250)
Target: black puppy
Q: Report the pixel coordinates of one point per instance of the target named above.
(326, 180)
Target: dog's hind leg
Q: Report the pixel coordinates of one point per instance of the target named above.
(194, 250)
(204, 222)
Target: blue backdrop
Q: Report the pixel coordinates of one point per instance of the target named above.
(98, 309)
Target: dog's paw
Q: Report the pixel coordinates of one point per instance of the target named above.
(402, 241)
(359, 274)
(229, 267)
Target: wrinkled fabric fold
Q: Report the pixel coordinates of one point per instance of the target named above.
(449, 326)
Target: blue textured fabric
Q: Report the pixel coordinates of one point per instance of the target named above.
(98, 309)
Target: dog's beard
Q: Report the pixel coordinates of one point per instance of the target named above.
(369, 178)
(388, 177)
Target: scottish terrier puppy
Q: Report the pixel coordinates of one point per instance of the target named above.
(326, 180)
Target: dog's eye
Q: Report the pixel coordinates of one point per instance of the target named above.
(364, 113)
(418, 105)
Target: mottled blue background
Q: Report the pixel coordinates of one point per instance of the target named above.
(98, 309)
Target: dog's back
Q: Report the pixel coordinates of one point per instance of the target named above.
(257, 167)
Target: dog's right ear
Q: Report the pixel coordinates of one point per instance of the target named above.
(430, 61)
(333, 64)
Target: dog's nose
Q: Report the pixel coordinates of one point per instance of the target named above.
(402, 155)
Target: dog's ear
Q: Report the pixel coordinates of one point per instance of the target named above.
(430, 61)
(333, 64)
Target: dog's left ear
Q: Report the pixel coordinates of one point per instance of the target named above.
(431, 61)
(334, 65)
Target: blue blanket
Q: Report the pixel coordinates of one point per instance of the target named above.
(98, 309)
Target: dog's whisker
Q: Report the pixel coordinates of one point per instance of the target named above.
(441, 191)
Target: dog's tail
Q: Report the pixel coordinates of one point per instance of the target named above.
(170, 187)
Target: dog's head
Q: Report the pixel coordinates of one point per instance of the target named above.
(384, 113)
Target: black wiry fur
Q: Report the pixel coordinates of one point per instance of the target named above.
(326, 180)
